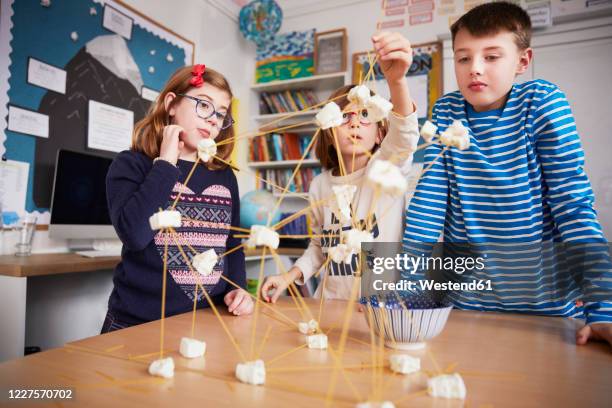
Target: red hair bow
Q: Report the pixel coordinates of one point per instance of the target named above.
(197, 72)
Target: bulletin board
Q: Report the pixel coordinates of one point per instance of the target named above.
(62, 55)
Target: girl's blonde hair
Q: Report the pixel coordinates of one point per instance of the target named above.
(148, 132)
(325, 148)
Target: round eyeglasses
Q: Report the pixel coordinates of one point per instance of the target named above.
(205, 110)
(362, 115)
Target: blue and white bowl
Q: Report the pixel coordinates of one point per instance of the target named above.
(406, 322)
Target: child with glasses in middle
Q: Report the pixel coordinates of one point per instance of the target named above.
(360, 143)
(194, 105)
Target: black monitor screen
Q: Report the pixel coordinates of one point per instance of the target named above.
(79, 189)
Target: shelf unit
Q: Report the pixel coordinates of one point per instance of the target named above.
(322, 86)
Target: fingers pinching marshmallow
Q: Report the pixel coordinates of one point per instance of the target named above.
(388, 177)
(251, 372)
(329, 116)
(456, 135)
(404, 364)
(165, 219)
(262, 235)
(359, 95)
(341, 253)
(205, 262)
(341, 206)
(207, 148)
(164, 367)
(317, 341)
(428, 131)
(192, 348)
(446, 386)
(354, 237)
(378, 108)
(308, 327)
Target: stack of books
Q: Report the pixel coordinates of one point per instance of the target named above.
(286, 101)
(277, 146)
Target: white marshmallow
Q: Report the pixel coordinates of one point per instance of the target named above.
(359, 95)
(329, 116)
(428, 131)
(262, 235)
(354, 237)
(205, 262)
(369, 404)
(446, 386)
(192, 348)
(251, 372)
(341, 253)
(388, 177)
(456, 135)
(378, 108)
(163, 367)
(404, 364)
(317, 341)
(341, 206)
(207, 148)
(308, 327)
(74, 36)
(165, 219)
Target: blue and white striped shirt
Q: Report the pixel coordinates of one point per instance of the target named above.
(522, 181)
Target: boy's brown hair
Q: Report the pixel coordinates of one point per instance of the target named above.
(148, 132)
(491, 18)
(325, 148)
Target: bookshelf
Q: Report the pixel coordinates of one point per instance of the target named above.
(277, 156)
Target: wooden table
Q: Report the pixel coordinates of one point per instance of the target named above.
(505, 360)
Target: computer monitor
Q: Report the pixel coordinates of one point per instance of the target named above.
(78, 204)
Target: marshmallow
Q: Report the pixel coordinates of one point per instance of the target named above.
(45, 3)
(404, 364)
(308, 327)
(74, 36)
(165, 219)
(446, 386)
(378, 108)
(329, 116)
(262, 235)
(251, 372)
(341, 253)
(428, 131)
(192, 348)
(205, 262)
(359, 95)
(207, 148)
(354, 237)
(317, 341)
(456, 135)
(341, 206)
(388, 177)
(163, 367)
(382, 404)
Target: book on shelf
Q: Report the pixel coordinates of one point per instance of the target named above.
(286, 101)
(280, 146)
(280, 177)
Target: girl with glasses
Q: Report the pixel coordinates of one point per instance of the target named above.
(195, 104)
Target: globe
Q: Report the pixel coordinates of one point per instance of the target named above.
(255, 206)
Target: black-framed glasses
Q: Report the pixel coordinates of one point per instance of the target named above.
(362, 115)
(205, 110)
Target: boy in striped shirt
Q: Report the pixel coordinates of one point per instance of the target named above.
(519, 192)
